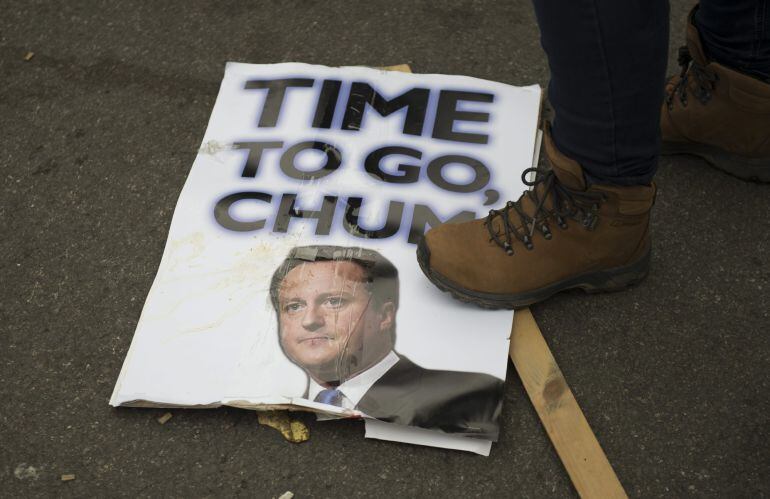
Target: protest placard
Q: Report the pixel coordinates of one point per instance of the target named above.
(289, 276)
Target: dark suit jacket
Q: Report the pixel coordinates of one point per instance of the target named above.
(452, 401)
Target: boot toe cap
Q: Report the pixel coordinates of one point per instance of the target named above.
(456, 252)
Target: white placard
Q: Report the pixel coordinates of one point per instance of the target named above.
(315, 157)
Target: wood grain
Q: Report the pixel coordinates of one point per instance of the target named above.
(572, 437)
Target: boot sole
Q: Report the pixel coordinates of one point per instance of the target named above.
(751, 169)
(602, 281)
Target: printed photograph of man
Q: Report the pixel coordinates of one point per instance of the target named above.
(336, 309)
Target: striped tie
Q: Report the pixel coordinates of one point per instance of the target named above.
(330, 397)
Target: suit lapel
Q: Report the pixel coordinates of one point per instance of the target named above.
(389, 394)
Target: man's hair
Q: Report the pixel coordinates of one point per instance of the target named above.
(380, 275)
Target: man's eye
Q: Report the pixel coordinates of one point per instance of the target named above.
(335, 301)
(293, 307)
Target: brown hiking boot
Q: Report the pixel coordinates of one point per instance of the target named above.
(717, 113)
(558, 236)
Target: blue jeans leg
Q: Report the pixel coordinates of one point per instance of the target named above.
(736, 34)
(608, 66)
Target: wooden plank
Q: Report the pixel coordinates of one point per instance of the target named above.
(579, 451)
(402, 68)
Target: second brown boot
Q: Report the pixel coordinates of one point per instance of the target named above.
(560, 235)
(717, 113)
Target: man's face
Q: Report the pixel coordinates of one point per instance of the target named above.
(330, 324)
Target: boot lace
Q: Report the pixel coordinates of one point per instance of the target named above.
(703, 79)
(567, 204)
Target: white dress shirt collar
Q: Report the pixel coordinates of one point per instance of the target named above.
(356, 387)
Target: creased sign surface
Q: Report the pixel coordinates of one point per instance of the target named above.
(289, 275)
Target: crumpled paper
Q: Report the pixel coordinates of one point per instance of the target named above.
(292, 430)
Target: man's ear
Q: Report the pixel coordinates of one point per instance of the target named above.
(387, 316)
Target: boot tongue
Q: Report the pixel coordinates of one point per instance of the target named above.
(567, 170)
(693, 40)
(570, 177)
